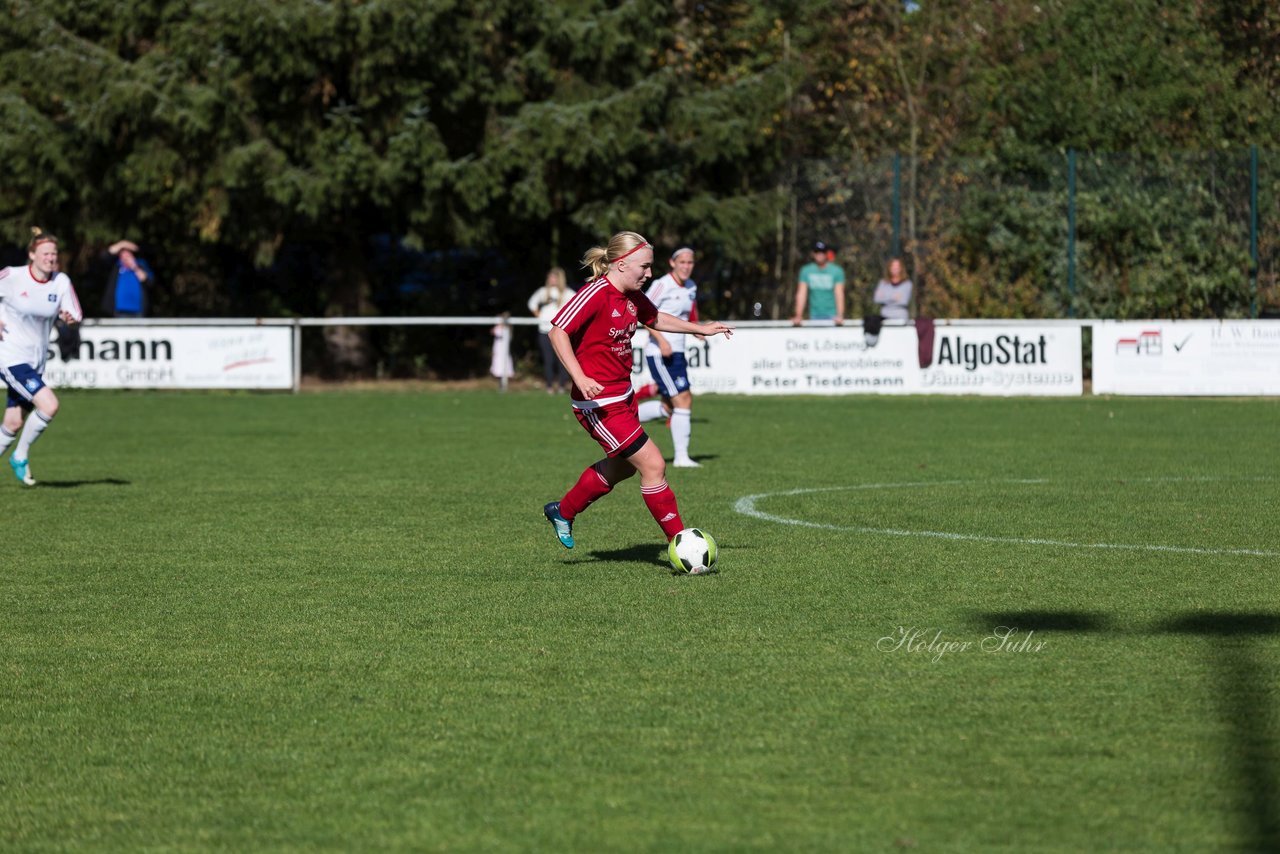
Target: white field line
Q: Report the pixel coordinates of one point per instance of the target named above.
(746, 505)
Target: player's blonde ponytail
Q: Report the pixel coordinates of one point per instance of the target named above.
(38, 236)
(596, 260)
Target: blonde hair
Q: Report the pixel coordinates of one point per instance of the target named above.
(38, 236)
(557, 281)
(598, 258)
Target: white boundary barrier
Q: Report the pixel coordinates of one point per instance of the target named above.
(1187, 357)
(993, 357)
(974, 358)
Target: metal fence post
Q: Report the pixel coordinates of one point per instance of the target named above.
(1253, 230)
(296, 327)
(897, 205)
(1071, 232)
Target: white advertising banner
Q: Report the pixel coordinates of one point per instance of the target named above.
(984, 360)
(231, 357)
(1191, 357)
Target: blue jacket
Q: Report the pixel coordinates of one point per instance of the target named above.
(109, 295)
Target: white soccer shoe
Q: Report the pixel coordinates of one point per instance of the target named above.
(686, 463)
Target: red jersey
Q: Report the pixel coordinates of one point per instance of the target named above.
(600, 321)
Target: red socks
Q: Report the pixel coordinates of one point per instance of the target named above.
(661, 502)
(590, 486)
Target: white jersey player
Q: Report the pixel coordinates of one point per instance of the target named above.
(31, 299)
(675, 294)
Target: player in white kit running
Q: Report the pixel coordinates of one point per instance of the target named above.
(677, 295)
(31, 299)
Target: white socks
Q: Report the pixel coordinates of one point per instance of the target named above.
(681, 424)
(6, 438)
(681, 427)
(30, 432)
(652, 410)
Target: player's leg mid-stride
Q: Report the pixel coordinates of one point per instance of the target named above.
(564, 528)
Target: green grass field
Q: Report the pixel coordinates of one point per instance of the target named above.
(338, 621)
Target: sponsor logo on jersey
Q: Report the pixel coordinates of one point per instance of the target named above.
(617, 313)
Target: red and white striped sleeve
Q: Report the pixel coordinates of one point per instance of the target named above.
(579, 310)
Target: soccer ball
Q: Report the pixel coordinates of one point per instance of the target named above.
(692, 551)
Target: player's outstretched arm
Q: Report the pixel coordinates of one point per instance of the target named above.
(670, 323)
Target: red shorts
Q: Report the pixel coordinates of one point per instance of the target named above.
(616, 426)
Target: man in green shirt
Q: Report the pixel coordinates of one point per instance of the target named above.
(822, 287)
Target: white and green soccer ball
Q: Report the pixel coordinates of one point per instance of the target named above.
(692, 551)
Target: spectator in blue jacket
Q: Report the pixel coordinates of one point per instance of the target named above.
(127, 283)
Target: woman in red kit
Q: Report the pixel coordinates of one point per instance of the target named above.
(591, 336)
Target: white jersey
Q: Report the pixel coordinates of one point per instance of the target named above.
(674, 299)
(28, 308)
(546, 306)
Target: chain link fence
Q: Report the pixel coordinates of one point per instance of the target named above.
(1051, 235)
(1055, 235)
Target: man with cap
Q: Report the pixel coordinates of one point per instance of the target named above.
(821, 285)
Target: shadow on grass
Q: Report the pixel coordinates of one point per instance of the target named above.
(76, 484)
(1242, 689)
(1224, 624)
(646, 553)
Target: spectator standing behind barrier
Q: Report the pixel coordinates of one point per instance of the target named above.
(893, 294)
(821, 285)
(545, 302)
(501, 365)
(127, 283)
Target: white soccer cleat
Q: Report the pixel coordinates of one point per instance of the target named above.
(686, 463)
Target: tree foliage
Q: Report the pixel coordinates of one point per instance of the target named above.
(302, 156)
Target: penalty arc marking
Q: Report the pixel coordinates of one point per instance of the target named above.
(746, 505)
